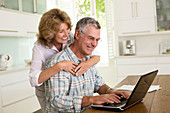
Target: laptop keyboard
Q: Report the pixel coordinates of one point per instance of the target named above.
(121, 104)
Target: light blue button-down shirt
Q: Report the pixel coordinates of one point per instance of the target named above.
(64, 91)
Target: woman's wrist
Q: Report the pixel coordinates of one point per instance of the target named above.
(57, 67)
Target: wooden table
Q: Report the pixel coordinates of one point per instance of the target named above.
(154, 102)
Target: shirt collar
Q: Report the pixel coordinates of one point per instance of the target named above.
(54, 48)
(73, 57)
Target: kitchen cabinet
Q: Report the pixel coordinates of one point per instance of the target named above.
(135, 16)
(163, 64)
(16, 93)
(140, 65)
(41, 6)
(14, 4)
(9, 23)
(133, 66)
(28, 6)
(163, 15)
(17, 24)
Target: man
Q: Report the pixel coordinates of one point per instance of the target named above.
(66, 92)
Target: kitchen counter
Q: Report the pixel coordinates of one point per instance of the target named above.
(142, 56)
(16, 68)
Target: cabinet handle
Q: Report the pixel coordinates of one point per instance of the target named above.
(8, 31)
(35, 6)
(135, 32)
(2, 3)
(132, 9)
(136, 9)
(31, 32)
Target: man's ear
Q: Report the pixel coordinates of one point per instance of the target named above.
(77, 34)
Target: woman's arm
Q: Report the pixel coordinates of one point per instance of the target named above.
(85, 65)
(63, 65)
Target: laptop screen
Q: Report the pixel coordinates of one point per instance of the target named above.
(141, 88)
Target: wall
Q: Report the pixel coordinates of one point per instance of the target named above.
(20, 48)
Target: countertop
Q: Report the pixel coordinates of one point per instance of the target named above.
(16, 68)
(143, 56)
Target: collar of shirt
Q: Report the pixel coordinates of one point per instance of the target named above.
(73, 57)
(63, 47)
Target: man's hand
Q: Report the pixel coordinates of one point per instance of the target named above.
(106, 98)
(100, 99)
(124, 94)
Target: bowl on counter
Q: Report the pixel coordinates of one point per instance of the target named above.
(28, 61)
(3, 65)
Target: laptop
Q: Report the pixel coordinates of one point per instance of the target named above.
(136, 96)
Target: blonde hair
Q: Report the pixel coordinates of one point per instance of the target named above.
(49, 25)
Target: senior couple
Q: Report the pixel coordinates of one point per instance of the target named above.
(63, 70)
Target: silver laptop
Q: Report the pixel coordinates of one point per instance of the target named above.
(136, 96)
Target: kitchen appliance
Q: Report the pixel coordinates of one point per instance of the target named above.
(165, 47)
(129, 47)
(5, 61)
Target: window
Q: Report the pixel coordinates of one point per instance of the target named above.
(103, 12)
(96, 9)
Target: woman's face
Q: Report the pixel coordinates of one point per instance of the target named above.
(62, 34)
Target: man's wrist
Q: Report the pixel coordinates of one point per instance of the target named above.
(86, 101)
(109, 90)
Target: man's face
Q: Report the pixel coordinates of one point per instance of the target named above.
(89, 40)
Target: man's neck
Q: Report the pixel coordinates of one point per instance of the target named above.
(76, 51)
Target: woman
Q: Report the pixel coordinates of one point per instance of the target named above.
(54, 35)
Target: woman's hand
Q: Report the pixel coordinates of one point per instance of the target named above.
(67, 65)
(82, 68)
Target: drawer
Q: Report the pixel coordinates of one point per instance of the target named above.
(13, 77)
(28, 105)
(16, 92)
(125, 70)
(165, 60)
(133, 60)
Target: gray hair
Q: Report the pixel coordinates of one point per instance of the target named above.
(83, 23)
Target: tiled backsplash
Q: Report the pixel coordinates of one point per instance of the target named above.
(20, 48)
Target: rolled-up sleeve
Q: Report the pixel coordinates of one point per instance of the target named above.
(98, 80)
(36, 67)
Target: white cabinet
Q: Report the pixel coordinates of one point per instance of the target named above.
(163, 65)
(9, 23)
(135, 16)
(18, 24)
(133, 66)
(16, 93)
(141, 65)
(29, 24)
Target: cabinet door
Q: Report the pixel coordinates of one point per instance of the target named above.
(30, 24)
(12, 4)
(163, 15)
(124, 9)
(9, 23)
(144, 8)
(29, 105)
(135, 16)
(41, 6)
(136, 26)
(163, 65)
(134, 66)
(28, 6)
